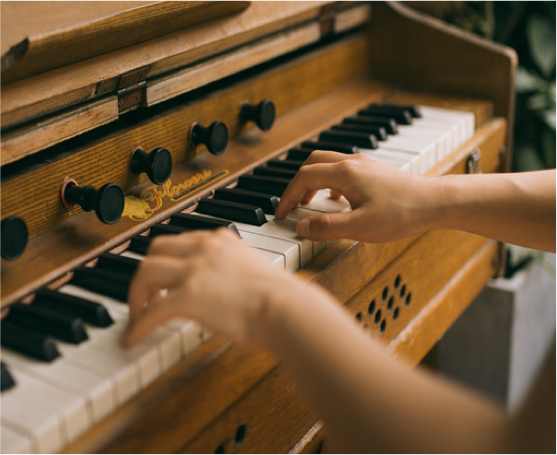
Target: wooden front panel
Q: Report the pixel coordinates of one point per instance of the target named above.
(35, 195)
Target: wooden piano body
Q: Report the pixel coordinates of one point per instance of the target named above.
(318, 62)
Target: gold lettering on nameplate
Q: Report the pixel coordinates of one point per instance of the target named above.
(151, 199)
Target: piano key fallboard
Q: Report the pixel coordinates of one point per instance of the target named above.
(68, 385)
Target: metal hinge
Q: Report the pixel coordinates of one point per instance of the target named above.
(131, 89)
(473, 162)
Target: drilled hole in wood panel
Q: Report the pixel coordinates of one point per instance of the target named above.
(397, 282)
(377, 317)
(385, 293)
(408, 298)
(395, 314)
(365, 326)
(240, 434)
(390, 304)
(359, 317)
(402, 291)
(221, 448)
(383, 326)
(371, 308)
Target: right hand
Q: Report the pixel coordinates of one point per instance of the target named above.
(387, 204)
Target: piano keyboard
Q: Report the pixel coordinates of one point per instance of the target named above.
(50, 403)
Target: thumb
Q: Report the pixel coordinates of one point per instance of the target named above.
(328, 226)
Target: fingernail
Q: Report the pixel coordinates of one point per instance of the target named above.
(303, 229)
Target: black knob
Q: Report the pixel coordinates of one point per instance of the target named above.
(108, 201)
(14, 237)
(263, 114)
(215, 137)
(157, 164)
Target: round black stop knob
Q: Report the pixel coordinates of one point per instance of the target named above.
(215, 137)
(14, 237)
(107, 201)
(157, 164)
(262, 114)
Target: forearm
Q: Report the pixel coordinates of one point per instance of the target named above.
(513, 208)
(367, 399)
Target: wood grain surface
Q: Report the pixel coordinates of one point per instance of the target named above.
(94, 31)
(54, 90)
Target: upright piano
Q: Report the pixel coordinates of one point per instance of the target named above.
(126, 120)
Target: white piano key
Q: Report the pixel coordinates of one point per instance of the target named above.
(96, 391)
(161, 347)
(13, 442)
(44, 430)
(425, 147)
(281, 230)
(132, 255)
(69, 408)
(288, 250)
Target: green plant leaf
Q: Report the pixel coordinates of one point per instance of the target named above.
(527, 159)
(541, 41)
(547, 145)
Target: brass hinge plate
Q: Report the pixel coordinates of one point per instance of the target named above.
(131, 89)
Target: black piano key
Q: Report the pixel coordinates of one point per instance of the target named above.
(111, 261)
(267, 202)
(139, 244)
(272, 185)
(91, 312)
(363, 140)
(331, 146)
(105, 282)
(235, 211)
(166, 229)
(378, 131)
(285, 164)
(397, 108)
(6, 382)
(389, 124)
(275, 172)
(298, 154)
(35, 344)
(59, 325)
(197, 222)
(402, 118)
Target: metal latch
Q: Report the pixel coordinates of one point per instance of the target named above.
(131, 89)
(473, 162)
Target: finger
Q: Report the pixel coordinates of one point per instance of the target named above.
(153, 274)
(327, 226)
(335, 195)
(323, 156)
(309, 178)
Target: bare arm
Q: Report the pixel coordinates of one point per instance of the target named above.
(389, 205)
(368, 401)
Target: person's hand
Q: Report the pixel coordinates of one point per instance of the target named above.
(207, 276)
(386, 204)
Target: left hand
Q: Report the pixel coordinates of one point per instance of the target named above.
(210, 277)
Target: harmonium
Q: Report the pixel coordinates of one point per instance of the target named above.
(122, 121)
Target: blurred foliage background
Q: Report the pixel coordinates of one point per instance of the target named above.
(529, 28)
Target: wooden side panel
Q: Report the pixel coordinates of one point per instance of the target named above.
(420, 52)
